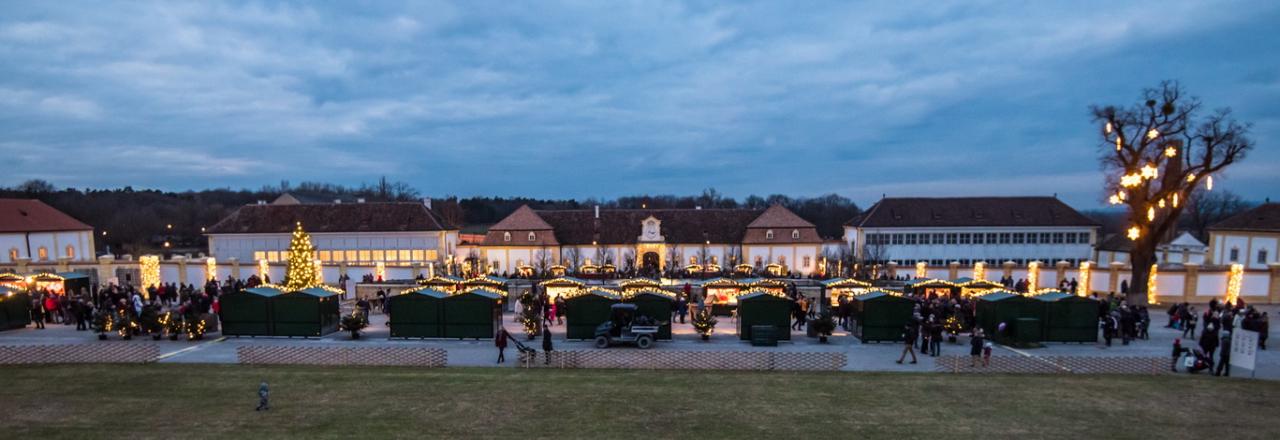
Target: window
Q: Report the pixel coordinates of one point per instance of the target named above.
(1032, 238)
(795, 234)
(493, 264)
(377, 255)
(13, 254)
(911, 239)
(1235, 255)
(431, 255)
(365, 255)
(1057, 238)
(391, 255)
(337, 256)
(977, 238)
(807, 261)
(897, 238)
(533, 236)
(1004, 237)
(1019, 238)
(952, 238)
(1262, 256)
(71, 252)
(1071, 238)
(405, 255)
(352, 255)
(991, 238)
(43, 253)
(326, 256)
(417, 254)
(273, 256)
(259, 255)
(965, 238)
(937, 238)
(506, 236)
(1084, 238)
(768, 235)
(1045, 237)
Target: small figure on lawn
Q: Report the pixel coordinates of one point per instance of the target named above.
(264, 393)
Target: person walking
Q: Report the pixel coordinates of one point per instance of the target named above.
(547, 347)
(264, 394)
(1224, 356)
(935, 338)
(37, 313)
(909, 335)
(682, 307)
(976, 343)
(500, 341)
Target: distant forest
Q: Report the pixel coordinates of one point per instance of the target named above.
(138, 221)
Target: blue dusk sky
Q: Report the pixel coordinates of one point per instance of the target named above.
(603, 98)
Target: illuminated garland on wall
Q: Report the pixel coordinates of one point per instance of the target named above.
(1033, 276)
(379, 271)
(922, 269)
(1233, 283)
(210, 269)
(980, 270)
(263, 269)
(1151, 286)
(319, 272)
(150, 268)
(1085, 269)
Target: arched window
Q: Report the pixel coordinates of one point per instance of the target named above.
(795, 234)
(533, 236)
(13, 254)
(807, 261)
(506, 236)
(71, 252)
(768, 235)
(43, 253)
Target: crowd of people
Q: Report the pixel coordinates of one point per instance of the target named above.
(1217, 325)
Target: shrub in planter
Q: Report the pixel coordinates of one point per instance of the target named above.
(704, 323)
(103, 322)
(823, 326)
(354, 323)
(531, 319)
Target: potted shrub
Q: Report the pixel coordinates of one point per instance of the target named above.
(172, 325)
(531, 319)
(704, 323)
(102, 323)
(953, 328)
(354, 323)
(150, 321)
(823, 326)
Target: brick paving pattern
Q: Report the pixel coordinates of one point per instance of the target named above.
(379, 356)
(1057, 364)
(688, 360)
(103, 352)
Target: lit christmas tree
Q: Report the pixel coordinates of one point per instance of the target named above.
(301, 271)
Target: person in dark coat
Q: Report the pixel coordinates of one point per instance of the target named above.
(909, 335)
(1209, 341)
(547, 347)
(1224, 356)
(37, 313)
(975, 347)
(500, 341)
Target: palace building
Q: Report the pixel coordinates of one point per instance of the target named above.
(1250, 238)
(993, 230)
(655, 239)
(398, 233)
(33, 231)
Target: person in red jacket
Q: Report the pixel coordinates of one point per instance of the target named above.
(50, 308)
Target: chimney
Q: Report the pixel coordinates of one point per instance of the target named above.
(360, 200)
(697, 208)
(262, 202)
(337, 201)
(597, 211)
(427, 201)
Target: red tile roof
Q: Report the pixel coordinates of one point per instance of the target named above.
(343, 217)
(27, 215)
(623, 226)
(969, 212)
(1264, 218)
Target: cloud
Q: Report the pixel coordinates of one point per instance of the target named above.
(748, 97)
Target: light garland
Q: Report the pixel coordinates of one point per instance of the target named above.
(1085, 271)
(980, 270)
(149, 266)
(1234, 281)
(300, 272)
(1151, 285)
(1134, 233)
(379, 271)
(264, 268)
(1033, 276)
(631, 294)
(922, 269)
(210, 269)
(319, 271)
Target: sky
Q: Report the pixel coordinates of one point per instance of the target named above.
(603, 99)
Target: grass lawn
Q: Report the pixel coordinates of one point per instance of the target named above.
(201, 401)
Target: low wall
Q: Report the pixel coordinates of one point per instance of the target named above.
(376, 356)
(687, 360)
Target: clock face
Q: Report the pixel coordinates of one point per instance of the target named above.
(651, 229)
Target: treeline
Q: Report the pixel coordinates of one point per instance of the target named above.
(141, 221)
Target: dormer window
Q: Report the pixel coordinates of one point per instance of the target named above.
(506, 236)
(533, 236)
(795, 234)
(768, 235)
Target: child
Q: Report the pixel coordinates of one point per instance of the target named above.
(976, 342)
(263, 394)
(986, 354)
(1177, 353)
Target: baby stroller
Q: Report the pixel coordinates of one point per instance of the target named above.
(1197, 361)
(528, 355)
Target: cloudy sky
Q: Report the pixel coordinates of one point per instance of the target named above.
(602, 99)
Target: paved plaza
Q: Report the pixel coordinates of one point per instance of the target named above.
(59, 343)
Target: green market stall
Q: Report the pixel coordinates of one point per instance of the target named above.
(1023, 317)
(310, 312)
(637, 284)
(759, 307)
(443, 283)
(585, 309)
(15, 308)
(970, 287)
(247, 312)
(880, 316)
(931, 286)
(835, 288)
(656, 304)
(557, 287)
(470, 314)
(1069, 318)
(490, 281)
(417, 313)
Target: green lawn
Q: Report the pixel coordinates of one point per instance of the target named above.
(206, 401)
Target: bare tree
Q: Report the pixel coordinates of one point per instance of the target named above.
(1204, 208)
(603, 255)
(673, 259)
(628, 260)
(733, 254)
(1156, 153)
(573, 256)
(872, 251)
(542, 260)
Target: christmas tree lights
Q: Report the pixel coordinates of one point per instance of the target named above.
(300, 273)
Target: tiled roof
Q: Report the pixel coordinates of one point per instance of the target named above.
(1265, 217)
(29, 215)
(344, 217)
(970, 212)
(779, 217)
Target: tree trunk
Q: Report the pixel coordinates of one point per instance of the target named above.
(1142, 257)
